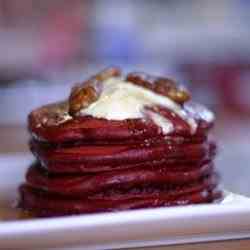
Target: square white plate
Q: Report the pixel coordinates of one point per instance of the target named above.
(146, 227)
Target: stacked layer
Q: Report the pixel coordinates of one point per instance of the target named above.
(87, 164)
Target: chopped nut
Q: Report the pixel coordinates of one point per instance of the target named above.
(56, 114)
(51, 114)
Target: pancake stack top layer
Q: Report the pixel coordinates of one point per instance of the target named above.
(120, 143)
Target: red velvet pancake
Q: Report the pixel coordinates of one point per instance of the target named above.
(86, 164)
(43, 204)
(118, 154)
(81, 185)
(78, 167)
(88, 128)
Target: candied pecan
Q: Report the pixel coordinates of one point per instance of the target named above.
(170, 88)
(160, 85)
(141, 79)
(107, 73)
(84, 94)
(82, 97)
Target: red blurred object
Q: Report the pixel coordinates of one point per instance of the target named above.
(230, 81)
(59, 44)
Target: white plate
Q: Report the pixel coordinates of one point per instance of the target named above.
(146, 227)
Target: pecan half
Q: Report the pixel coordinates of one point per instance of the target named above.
(160, 85)
(142, 80)
(82, 97)
(107, 73)
(170, 88)
(84, 94)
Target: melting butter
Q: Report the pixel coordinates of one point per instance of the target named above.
(121, 100)
(165, 124)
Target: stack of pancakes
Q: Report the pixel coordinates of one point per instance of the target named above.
(87, 164)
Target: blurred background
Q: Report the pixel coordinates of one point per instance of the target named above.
(46, 46)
